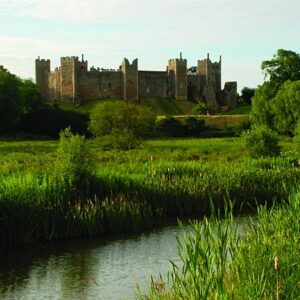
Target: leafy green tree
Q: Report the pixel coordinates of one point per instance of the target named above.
(286, 107)
(120, 121)
(271, 110)
(31, 96)
(285, 65)
(10, 100)
(261, 111)
(17, 97)
(247, 94)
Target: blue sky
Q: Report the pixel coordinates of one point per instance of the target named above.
(243, 32)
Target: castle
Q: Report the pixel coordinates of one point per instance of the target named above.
(73, 82)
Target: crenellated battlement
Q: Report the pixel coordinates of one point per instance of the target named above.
(68, 59)
(47, 61)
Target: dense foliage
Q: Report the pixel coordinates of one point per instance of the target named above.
(49, 120)
(23, 110)
(200, 109)
(121, 124)
(74, 162)
(247, 94)
(261, 141)
(17, 97)
(275, 103)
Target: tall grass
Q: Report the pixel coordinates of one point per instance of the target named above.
(218, 262)
(72, 192)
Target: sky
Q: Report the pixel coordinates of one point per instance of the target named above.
(244, 32)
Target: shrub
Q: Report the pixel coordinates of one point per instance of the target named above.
(261, 141)
(194, 126)
(170, 127)
(74, 162)
(200, 109)
(241, 127)
(297, 135)
(121, 124)
(50, 120)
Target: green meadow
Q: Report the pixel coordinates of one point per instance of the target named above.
(125, 191)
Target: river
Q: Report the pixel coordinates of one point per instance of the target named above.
(88, 268)
(107, 269)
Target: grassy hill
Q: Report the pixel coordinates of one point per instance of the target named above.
(171, 107)
(159, 105)
(241, 110)
(180, 109)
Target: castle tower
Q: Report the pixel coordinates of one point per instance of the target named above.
(210, 73)
(177, 72)
(42, 70)
(83, 64)
(69, 79)
(130, 79)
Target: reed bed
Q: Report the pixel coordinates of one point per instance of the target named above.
(130, 191)
(217, 261)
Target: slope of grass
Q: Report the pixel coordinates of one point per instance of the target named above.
(240, 110)
(171, 107)
(160, 106)
(41, 200)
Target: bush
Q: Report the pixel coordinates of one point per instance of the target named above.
(50, 120)
(241, 127)
(194, 126)
(121, 124)
(200, 109)
(261, 141)
(170, 127)
(74, 162)
(297, 133)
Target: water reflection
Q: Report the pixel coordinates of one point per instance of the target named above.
(88, 269)
(92, 268)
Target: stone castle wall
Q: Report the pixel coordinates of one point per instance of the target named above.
(73, 82)
(153, 84)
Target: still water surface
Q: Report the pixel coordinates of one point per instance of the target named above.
(88, 269)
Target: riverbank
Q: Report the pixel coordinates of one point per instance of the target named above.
(215, 261)
(133, 190)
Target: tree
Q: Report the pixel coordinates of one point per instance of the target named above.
(261, 110)
(10, 100)
(17, 97)
(121, 124)
(268, 109)
(285, 65)
(286, 107)
(31, 96)
(247, 94)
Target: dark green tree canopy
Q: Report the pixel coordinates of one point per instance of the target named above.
(17, 97)
(247, 94)
(121, 124)
(285, 65)
(10, 100)
(275, 103)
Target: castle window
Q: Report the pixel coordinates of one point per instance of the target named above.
(109, 85)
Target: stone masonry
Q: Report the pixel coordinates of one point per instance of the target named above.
(74, 82)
